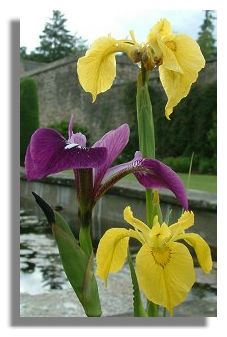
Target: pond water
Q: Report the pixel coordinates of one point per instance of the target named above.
(40, 266)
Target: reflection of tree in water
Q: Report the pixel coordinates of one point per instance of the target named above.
(53, 276)
(26, 255)
(39, 254)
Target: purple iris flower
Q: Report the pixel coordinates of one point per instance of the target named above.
(49, 152)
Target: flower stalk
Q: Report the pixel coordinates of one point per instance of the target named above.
(145, 130)
(146, 134)
(84, 183)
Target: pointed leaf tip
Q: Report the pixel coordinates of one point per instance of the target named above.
(47, 210)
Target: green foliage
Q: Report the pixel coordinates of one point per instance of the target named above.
(206, 38)
(192, 127)
(55, 42)
(207, 165)
(179, 164)
(29, 113)
(62, 127)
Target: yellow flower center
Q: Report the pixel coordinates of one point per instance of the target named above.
(161, 256)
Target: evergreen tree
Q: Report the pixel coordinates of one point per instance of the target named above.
(55, 42)
(206, 38)
(23, 53)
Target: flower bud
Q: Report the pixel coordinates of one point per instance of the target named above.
(135, 55)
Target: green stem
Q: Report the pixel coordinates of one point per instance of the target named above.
(84, 186)
(139, 310)
(145, 117)
(164, 312)
(147, 146)
(85, 233)
(149, 217)
(152, 309)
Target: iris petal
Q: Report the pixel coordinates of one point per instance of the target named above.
(112, 252)
(201, 248)
(136, 223)
(97, 69)
(175, 83)
(167, 278)
(47, 154)
(114, 141)
(150, 173)
(184, 222)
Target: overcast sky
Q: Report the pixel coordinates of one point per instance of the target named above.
(90, 23)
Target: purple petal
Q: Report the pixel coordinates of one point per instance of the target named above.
(150, 173)
(114, 141)
(162, 176)
(123, 167)
(30, 169)
(47, 153)
(76, 138)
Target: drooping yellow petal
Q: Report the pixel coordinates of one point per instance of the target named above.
(185, 221)
(136, 223)
(97, 69)
(191, 61)
(201, 248)
(112, 251)
(165, 276)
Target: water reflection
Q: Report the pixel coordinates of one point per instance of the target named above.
(40, 265)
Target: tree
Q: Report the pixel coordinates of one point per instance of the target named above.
(29, 113)
(55, 42)
(23, 53)
(206, 38)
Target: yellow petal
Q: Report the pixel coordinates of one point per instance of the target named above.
(202, 250)
(191, 61)
(112, 251)
(169, 60)
(97, 69)
(185, 221)
(165, 276)
(136, 223)
(159, 234)
(161, 28)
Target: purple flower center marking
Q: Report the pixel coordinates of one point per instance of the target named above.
(71, 145)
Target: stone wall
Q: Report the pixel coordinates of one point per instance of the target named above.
(60, 95)
(27, 66)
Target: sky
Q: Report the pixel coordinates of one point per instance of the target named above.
(93, 23)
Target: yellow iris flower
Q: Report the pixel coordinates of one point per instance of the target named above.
(164, 267)
(177, 56)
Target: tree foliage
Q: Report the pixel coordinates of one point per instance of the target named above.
(55, 42)
(206, 37)
(29, 113)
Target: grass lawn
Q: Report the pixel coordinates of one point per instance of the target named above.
(203, 182)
